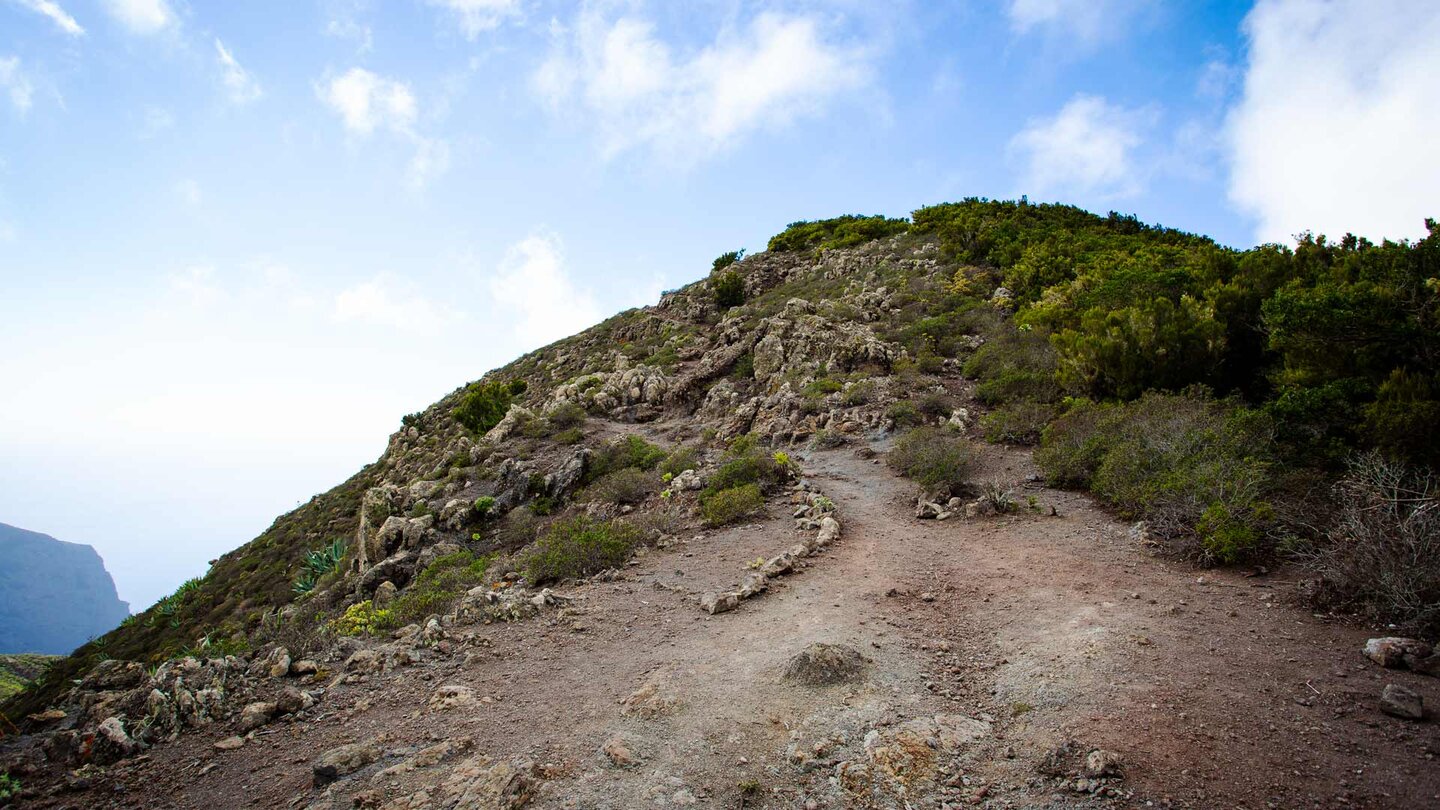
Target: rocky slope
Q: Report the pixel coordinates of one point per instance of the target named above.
(54, 596)
(675, 574)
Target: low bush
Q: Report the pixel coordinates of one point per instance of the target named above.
(728, 289)
(905, 414)
(680, 459)
(726, 506)
(578, 547)
(1020, 423)
(484, 404)
(726, 259)
(517, 529)
(566, 415)
(438, 587)
(570, 436)
(626, 486)
(362, 619)
(1196, 469)
(858, 393)
(935, 458)
(1381, 558)
(626, 451)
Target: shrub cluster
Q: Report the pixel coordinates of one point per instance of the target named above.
(935, 458)
(680, 459)
(729, 505)
(578, 547)
(436, 589)
(728, 289)
(484, 404)
(362, 619)
(839, 232)
(1196, 469)
(629, 485)
(726, 259)
(623, 452)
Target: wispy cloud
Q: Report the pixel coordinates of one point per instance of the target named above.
(1336, 126)
(141, 16)
(367, 102)
(1081, 22)
(533, 286)
(640, 93)
(57, 15)
(15, 84)
(389, 302)
(475, 17)
(239, 84)
(1087, 149)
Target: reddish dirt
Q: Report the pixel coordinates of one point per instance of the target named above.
(1213, 689)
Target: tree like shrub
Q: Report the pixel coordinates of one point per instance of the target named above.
(726, 506)
(726, 259)
(1381, 558)
(578, 547)
(729, 290)
(484, 404)
(935, 458)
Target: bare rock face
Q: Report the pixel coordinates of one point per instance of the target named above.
(342, 761)
(825, 665)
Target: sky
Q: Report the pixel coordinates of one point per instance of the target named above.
(238, 241)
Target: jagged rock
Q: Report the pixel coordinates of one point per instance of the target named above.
(342, 761)
(688, 481)
(753, 584)
(390, 535)
(112, 743)
(304, 667)
(779, 565)
(364, 662)
(477, 784)
(713, 603)
(569, 474)
(384, 594)
(278, 663)
(112, 675)
(255, 715)
(1402, 701)
(1099, 763)
(825, 664)
(1394, 652)
(396, 568)
(417, 529)
(291, 700)
(829, 531)
(506, 427)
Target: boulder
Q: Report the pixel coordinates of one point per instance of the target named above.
(255, 715)
(342, 761)
(112, 675)
(385, 593)
(825, 664)
(1100, 763)
(291, 700)
(753, 584)
(364, 662)
(278, 663)
(687, 480)
(829, 531)
(713, 603)
(779, 565)
(1401, 701)
(1393, 652)
(112, 744)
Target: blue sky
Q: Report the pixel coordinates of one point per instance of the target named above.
(239, 240)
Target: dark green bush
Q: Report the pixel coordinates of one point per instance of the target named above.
(724, 260)
(625, 451)
(578, 547)
(905, 414)
(436, 589)
(840, 232)
(680, 459)
(728, 289)
(935, 458)
(566, 415)
(1196, 469)
(484, 404)
(728, 505)
(1020, 423)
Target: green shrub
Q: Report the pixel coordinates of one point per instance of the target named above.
(728, 505)
(682, 458)
(935, 458)
(626, 451)
(484, 505)
(436, 589)
(724, 260)
(858, 393)
(484, 404)
(728, 289)
(905, 414)
(578, 547)
(1020, 423)
(9, 787)
(625, 486)
(744, 367)
(821, 387)
(566, 415)
(570, 436)
(319, 562)
(362, 619)
(840, 232)
(517, 529)
(1196, 469)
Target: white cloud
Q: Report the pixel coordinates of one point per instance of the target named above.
(141, 16)
(241, 86)
(1086, 150)
(478, 16)
(56, 14)
(1085, 21)
(344, 22)
(195, 286)
(774, 70)
(15, 84)
(366, 101)
(1336, 127)
(533, 286)
(384, 301)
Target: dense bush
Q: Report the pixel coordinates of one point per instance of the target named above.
(726, 259)
(1020, 423)
(624, 486)
(935, 458)
(623, 452)
(436, 589)
(680, 459)
(362, 619)
(905, 414)
(728, 289)
(1196, 469)
(1382, 556)
(746, 463)
(725, 506)
(840, 232)
(484, 403)
(566, 415)
(578, 547)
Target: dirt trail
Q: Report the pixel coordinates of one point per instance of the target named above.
(1047, 628)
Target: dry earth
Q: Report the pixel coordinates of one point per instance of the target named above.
(1040, 628)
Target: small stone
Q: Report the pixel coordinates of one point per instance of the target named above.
(256, 715)
(619, 753)
(343, 760)
(304, 666)
(927, 597)
(713, 603)
(230, 743)
(1403, 702)
(1100, 763)
(451, 696)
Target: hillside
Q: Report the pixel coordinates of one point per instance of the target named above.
(988, 458)
(54, 596)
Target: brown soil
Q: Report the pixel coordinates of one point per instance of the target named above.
(1213, 690)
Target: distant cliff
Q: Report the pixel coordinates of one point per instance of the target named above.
(54, 596)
